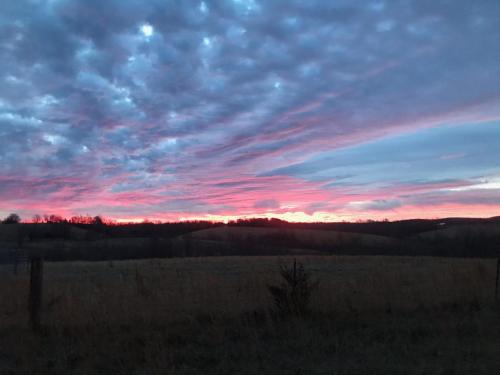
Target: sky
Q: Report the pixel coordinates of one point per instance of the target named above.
(300, 110)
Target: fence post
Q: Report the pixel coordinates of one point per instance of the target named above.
(496, 280)
(35, 301)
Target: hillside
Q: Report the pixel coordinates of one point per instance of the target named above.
(23, 232)
(490, 229)
(324, 241)
(65, 241)
(313, 235)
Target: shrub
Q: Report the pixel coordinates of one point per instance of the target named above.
(292, 296)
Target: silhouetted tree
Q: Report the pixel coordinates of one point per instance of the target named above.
(80, 219)
(37, 219)
(12, 219)
(97, 220)
(53, 219)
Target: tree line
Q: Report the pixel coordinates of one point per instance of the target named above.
(57, 219)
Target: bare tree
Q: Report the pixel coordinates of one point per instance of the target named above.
(12, 219)
(97, 220)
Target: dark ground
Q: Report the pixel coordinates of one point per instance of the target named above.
(449, 340)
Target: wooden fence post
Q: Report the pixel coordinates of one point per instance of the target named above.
(496, 280)
(35, 301)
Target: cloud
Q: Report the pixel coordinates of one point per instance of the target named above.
(376, 205)
(168, 101)
(267, 203)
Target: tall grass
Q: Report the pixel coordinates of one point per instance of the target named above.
(82, 293)
(370, 315)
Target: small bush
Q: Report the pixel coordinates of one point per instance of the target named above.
(292, 296)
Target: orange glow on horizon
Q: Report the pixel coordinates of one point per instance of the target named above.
(402, 213)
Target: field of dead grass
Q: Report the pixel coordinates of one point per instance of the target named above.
(77, 293)
(208, 316)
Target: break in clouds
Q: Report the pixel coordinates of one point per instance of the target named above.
(208, 109)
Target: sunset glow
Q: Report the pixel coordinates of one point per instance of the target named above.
(306, 111)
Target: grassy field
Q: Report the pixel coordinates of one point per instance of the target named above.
(211, 316)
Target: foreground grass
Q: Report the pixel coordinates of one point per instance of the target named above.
(371, 315)
(449, 340)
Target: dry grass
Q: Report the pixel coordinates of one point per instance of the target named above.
(397, 315)
(459, 231)
(79, 293)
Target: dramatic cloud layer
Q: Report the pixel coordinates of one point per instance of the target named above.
(305, 110)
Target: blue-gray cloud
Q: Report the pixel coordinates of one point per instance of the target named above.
(437, 154)
(267, 203)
